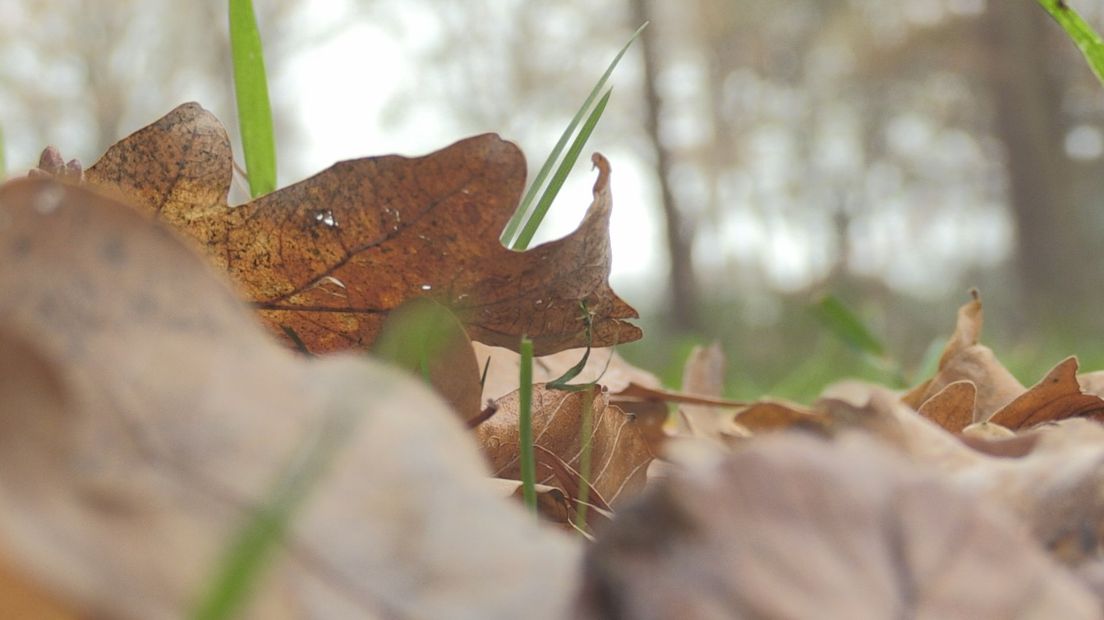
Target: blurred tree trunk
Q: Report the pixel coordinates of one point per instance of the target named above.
(683, 288)
(1026, 97)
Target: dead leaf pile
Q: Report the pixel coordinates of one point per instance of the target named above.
(149, 411)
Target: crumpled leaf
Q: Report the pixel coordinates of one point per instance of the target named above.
(146, 416)
(793, 527)
(952, 407)
(774, 415)
(619, 451)
(703, 375)
(330, 256)
(1056, 397)
(965, 359)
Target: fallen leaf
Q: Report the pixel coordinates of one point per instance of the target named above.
(952, 407)
(330, 256)
(990, 431)
(597, 509)
(1056, 397)
(775, 415)
(619, 452)
(147, 416)
(965, 359)
(793, 527)
(703, 375)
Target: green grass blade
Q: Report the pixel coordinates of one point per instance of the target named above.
(254, 545)
(531, 193)
(251, 91)
(847, 326)
(586, 433)
(557, 181)
(1087, 40)
(525, 426)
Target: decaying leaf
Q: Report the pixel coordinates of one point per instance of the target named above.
(952, 407)
(703, 375)
(330, 256)
(1056, 397)
(794, 527)
(619, 452)
(146, 416)
(773, 415)
(965, 359)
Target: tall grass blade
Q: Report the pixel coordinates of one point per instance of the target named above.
(251, 91)
(525, 426)
(541, 209)
(531, 193)
(257, 541)
(847, 326)
(1087, 40)
(586, 434)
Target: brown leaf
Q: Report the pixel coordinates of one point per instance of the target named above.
(774, 415)
(1056, 397)
(619, 452)
(147, 415)
(952, 407)
(852, 530)
(703, 375)
(330, 256)
(964, 359)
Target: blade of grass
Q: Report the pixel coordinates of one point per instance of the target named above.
(255, 543)
(525, 426)
(585, 434)
(251, 91)
(537, 216)
(531, 193)
(1087, 40)
(847, 326)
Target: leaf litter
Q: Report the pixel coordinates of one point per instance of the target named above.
(148, 414)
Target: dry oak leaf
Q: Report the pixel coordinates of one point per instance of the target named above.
(330, 256)
(620, 452)
(1056, 397)
(146, 416)
(703, 375)
(965, 359)
(795, 527)
(952, 407)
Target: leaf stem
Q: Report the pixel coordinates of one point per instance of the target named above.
(585, 434)
(525, 426)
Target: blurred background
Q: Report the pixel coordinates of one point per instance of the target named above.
(764, 154)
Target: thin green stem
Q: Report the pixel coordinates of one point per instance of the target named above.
(525, 426)
(251, 91)
(586, 433)
(258, 540)
(1087, 40)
